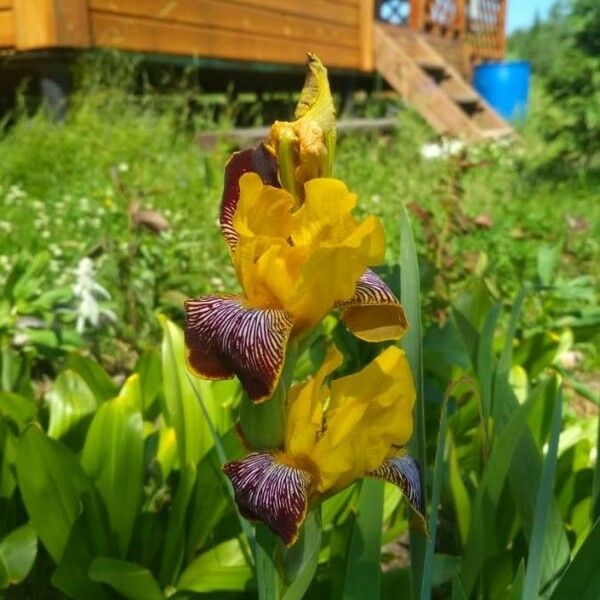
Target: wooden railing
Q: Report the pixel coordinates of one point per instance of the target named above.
(479, 24)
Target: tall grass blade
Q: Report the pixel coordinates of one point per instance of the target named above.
(502, 408)
(220, 450)
(302, 559)
(485, 362)
(542, 506)
(412, 344)
(268, 560)
(581, 580)
(596, 483)
(436, 492)
(363, 559)
(488, 497)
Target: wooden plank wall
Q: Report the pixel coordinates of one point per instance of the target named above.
(276, 31)
(50, 24)
(7, 24)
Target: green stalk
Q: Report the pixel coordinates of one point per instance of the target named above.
(596, 483)
(263, 427)
(412, 344)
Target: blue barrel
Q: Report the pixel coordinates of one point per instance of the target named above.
(505, 85)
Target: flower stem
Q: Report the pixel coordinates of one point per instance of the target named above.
(263, 425)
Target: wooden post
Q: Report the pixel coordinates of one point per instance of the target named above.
(51, 24)
(460, 21)
(366, 19)
(55, 83)
(501, 29)
(416, 19)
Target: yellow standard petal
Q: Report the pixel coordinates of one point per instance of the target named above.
(304, 261)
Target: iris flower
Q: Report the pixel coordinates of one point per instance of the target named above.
(298, 253)
(335, 434)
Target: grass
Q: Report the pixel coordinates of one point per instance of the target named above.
(487, 224)
(67, 188)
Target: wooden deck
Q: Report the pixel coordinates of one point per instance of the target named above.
(271, 31)
(346, 34)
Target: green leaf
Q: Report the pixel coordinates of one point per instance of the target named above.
(302, 559)
(544, 500)
(581, 580)
(70, 400)
(132, 581)
(17, 554)
(183, 411)
(488, 497)
(149, 370)
(596, 481)
(516, 590)
(175, 539)
(267, 556)
(90, 536)
(485, 361)
(362, 578)
(223, 568)
(460, 496)
(17, 408)
(113, 457)
(97, 379)
(524, 480)
(502, 407)
(212, 495)
(51, 482)
(412, 344)
(548, 259)
(438, 478)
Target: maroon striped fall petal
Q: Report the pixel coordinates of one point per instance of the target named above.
(404, 471)
(272, 492)
(373, 313)
(226, 338)
(252, 160)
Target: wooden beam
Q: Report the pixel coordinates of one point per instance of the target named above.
(366, 32)
(7, 29)
(220, 14)
(154, 35)
(416, 18)
(246, 136)
(51, 24)
(501, 29)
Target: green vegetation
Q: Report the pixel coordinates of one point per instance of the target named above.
(110, 454)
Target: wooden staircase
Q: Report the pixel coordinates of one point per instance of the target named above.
(433, 87)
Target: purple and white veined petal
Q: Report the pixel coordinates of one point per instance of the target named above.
(252, 160)
(225, 338)
(373, 313)
(270, 491)
(404, 471)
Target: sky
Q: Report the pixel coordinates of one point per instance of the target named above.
(520, 13)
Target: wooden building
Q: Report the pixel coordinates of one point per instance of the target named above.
(425, 49)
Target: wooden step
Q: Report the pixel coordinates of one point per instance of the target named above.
(433, 86)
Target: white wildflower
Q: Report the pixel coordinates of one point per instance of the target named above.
(13, 194)
(88, 294)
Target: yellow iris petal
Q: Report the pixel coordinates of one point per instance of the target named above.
(305, 412)
(304, 261)
(262, 209)
(367, 418)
